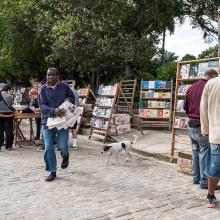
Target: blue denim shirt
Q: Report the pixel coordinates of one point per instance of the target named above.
(52, 98)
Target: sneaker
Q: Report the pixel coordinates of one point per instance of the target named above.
(73, 147)
(211, 201)
(51, 177)
(65, 162)
(41, 148)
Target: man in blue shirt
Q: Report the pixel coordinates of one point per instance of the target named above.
(52, 95)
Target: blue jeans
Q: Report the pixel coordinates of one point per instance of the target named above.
(200, 146)
(50, 136)
(213, 161)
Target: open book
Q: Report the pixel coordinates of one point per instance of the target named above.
(72, 113)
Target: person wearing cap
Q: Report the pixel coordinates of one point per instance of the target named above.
(6, 117)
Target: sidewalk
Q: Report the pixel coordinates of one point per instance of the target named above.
(156, 143)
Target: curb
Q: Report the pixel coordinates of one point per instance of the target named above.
(158, 156)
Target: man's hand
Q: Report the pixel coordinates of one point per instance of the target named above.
(59, 112)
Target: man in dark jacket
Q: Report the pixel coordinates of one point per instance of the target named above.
(52, 95)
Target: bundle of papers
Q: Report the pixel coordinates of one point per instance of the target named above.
(71, 115)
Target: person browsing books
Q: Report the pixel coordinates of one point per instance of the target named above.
(52, 95)
(198, 143)
(210, 127)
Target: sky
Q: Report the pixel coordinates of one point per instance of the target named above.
(186, 40)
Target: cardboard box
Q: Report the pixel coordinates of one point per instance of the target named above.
(123, 129)
(121, 119)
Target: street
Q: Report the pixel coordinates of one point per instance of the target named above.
(145, 188)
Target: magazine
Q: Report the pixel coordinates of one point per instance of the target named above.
(71, 115)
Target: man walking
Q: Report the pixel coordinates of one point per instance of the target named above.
(198, 143)
(52, 95)
(210, 126)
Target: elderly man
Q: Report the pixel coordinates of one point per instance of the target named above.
(52, 95)
(210, 126)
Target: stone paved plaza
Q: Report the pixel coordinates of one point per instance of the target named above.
(145, 188)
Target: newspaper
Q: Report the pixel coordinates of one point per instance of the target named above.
(71, 115)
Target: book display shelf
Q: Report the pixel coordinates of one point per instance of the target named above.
(84, 104)
(105, 106)
(155, 106)
(188, 72)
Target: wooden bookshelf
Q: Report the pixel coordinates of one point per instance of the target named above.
(193, 71)
(99, 132)
(150, 99)
(84, 95)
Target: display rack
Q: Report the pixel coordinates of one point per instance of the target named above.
(105, 106)
(84, 94)
(188, 72)
(155, 106)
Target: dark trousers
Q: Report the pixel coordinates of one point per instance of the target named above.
(6, 126)
(38, 126)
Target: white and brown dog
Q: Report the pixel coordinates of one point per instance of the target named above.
(116, 148)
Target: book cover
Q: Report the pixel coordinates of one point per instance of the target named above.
(153, 113)
(214, 64)
(193, 72)
(151, 84)
(145, 84)
(168, 85)
(160, 113)
(184, 71)
(163, 84)
(181, 90)
(179, 106)
(166, 113)
(201, 69)
(157, 84)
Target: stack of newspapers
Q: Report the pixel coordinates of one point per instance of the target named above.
(71, 115)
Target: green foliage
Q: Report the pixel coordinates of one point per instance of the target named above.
(209, 53)
(167, 72)
(188, 57)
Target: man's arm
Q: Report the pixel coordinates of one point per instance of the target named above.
(71, 96)
(45, 109)
(204, 112)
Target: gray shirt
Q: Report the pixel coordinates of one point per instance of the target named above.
(8, 99)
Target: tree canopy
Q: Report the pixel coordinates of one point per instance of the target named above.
(91, 40)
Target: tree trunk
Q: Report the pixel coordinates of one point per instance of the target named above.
(163, 47)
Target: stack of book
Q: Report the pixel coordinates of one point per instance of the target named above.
(154, 113)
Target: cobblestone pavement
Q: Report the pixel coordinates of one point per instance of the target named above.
(142, 189)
